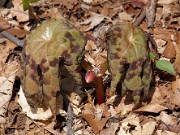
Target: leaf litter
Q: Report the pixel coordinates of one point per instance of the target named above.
(160, 115)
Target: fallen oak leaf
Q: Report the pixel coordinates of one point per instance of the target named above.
(96, 125)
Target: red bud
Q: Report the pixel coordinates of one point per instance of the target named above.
(90, 76)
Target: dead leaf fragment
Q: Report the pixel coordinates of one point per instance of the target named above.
(169, 51)
(152, 107)
(168, 119)
(7, 78)
(40, 115)
(18, 11)
(93, 21)
(162, 2)
(3, 23)
(20, 33)
(177, 47)
(97, 126)
(110, 130)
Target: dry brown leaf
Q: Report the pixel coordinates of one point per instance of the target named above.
(69, 4)
(175, 97)
(21, 121)
(177, 47)
(13, 107)
(138, 3)
(164, 42)
(152, 107)
(3, 23)
(169, 51)
(97, 126)
(20, 33)
(162, 94)
(123, 16)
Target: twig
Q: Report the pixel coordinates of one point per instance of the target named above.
(69, 120)
(12, 38)
(153, 46)
(140, 18)
(150, 12)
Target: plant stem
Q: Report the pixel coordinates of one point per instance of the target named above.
(99, 87)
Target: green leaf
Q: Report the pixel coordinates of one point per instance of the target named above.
(31, 1)
(152, 56)
(166, 66)
(25, 4)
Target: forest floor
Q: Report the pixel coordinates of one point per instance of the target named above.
(159, 116)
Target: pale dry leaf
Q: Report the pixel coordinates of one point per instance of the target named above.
(163, 2)
(148, 128)
(123, 108)
(124, 129)
(127, 123)
(5, 51)
(168, 119)
(111, 130)
(98, 113)
(93, 21)
(18, 12)
(164, 132)
(152, 107)
(88, 1)
(54, 13)
(7, 78)
(88, 108)
(123, 16)
(40, 115)
(3, 40)
(90, 46)
(161, 45)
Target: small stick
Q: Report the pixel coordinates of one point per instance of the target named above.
(12, 38)
(69, 120)
(140, 18)
(150, 12)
